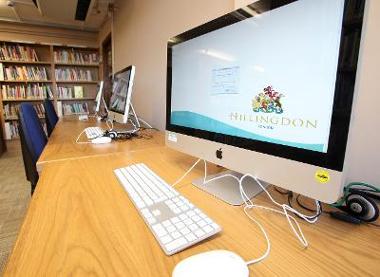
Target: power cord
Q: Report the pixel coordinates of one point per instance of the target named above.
(250, 205)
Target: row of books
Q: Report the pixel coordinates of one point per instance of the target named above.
(74, 108)
(72, 56)
(70, 92)
(11, 129)
(11, 110)
(29, 91)
(73, 74)
(18, 53)
(22, 73)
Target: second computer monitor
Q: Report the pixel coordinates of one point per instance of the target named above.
(121, 94)
(99, 96)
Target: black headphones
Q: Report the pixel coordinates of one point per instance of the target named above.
(358, 202)
(119, 135)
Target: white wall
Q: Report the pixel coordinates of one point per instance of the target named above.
(363, 159)
(141, 30)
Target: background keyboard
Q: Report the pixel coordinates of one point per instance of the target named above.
(174, 221)
(94, 132)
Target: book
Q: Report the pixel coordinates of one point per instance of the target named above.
(78, 91)
(7, 131)
(1, 72)
(59, 108)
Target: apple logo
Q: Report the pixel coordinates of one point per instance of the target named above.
(219, 153)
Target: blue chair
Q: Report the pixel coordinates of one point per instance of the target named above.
(51, 116)
(33, 140)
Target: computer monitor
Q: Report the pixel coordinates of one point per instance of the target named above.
(121, 94)
(99, 97)
(268, 90)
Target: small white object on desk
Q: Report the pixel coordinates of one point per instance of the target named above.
(101, 140)
(83, 117)
(221, 263)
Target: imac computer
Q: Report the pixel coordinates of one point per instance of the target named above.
(268, 90)
(120, 102)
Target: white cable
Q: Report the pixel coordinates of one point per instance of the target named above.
(188, 171)
(310, 219)
(254, 261)
(146, 123)
(109, 122)
(81, 142)
(84, 142)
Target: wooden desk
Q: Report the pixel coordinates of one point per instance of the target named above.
(62, 142)
(81, 222)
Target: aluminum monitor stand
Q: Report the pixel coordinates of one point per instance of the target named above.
(227, 188)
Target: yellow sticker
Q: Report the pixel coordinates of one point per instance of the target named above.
(322, 176)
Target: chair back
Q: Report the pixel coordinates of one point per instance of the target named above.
(34, 135)
(51, 116)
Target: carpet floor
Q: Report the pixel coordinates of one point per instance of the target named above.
(14, 198)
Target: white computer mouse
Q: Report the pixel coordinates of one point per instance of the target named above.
(221, 263)
(101, 140)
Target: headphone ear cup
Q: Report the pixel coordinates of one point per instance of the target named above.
(362, 207)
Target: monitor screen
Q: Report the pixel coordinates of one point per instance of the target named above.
(121, 94)
(271, 86)
(276, 77)
(119, 91)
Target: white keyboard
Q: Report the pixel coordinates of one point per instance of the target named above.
(173, 220)
(94, 132)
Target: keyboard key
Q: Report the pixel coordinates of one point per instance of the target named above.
(160, 231)
(151, 220)
(176, 235)
(166, 223)
(183, 216)
(171, 228)
(185, 231)
(193, 227)
(199, 233)
(176, 244)
(196, 218)
(180, 225)
(215, 226)
(175, 220)
(166, 239)
(156, 212)
(190, 237)
(202, 223)
(190, 213)
(208, 229)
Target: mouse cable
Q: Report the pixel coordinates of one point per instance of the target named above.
(83, 142)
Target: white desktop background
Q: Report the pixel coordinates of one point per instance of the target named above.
(220, 73)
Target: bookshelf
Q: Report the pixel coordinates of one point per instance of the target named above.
(32, 72)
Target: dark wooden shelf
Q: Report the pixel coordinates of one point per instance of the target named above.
(76, 82)
(15, 118)
(77, 99)
(26, 81)
(24, 100)
(78, 64)
(25, 62)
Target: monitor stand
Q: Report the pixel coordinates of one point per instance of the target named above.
(227, 189)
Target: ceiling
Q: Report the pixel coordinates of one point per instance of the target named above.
(58, 13)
